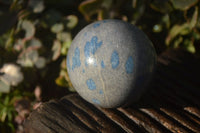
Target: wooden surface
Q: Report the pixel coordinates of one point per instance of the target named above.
(171, 104)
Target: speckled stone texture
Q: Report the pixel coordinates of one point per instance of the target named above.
(110, 63)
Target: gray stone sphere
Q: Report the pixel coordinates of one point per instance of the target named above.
(110, 63)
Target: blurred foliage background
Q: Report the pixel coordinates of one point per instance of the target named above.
(35, 36)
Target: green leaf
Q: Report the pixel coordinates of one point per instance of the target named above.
(189, 46)
(32, 55)
(63, 67)
(183, 4)
(3, 114)
(25, 62)
(61, 81)
(107, 4)
(6, 100)
(28, 58)
(177, 30)
(193, 21)
(134, 3)
(196, 35)
(71, 89)
(40, 63)
(65, 47)
(177, 42)
(36, 5)
(64, 36)
(10, 115)
(29, 28)
(34, 43)
(56, 50)
(166, 20)
(19, 44)
(72, 21)
(5, 88)
(162, 6)
(183, 29)
(89, 7)
(10, 40)
(58, 27)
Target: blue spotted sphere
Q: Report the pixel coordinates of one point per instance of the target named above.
(110, 63)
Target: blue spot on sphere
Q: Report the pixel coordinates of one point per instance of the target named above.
(129, 65)
(95, 101)
(91, 84)
(83, 70)
(102, 64)
(76, 59)
(100, 92)
(86, 64)
(90, 49)
(96, 25)
(92, 46)
(114, 60)
(87, 49)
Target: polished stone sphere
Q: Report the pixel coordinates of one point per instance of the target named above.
(110, 63)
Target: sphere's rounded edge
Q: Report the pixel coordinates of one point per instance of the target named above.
(125, 102)
(134, 98)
